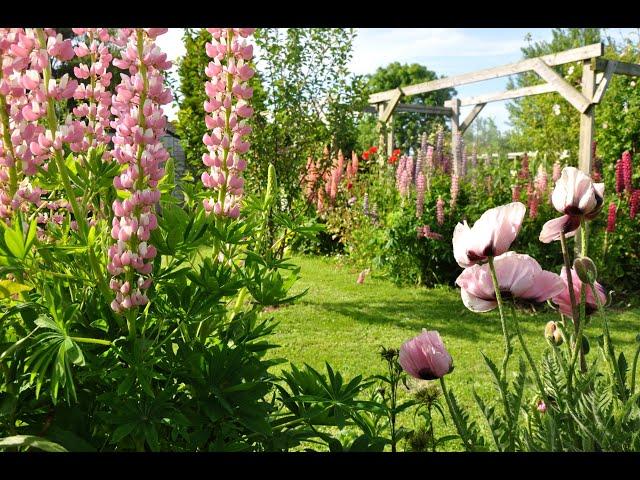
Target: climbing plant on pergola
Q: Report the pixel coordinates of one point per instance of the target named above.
(596, 76)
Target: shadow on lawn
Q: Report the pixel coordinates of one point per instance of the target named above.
(415, 315)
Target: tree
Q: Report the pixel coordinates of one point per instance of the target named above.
(407, 127)
(485, 136)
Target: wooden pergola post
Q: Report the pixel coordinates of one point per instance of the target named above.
(454, 104)
(585, 147)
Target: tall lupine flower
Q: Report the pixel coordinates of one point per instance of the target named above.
(425, 356)
(228, 94)
(627, 171)
(611, 218)
(429, 166)
(534, 202)
(455, 190)
(97, 99)
(426, 232)
(440, 211)
(619, 177)
(409, 168)
(420, 186)
(439, 150)
(405, 182)
(365, 204)
(490, 236)
(354, 163)
(541, 181)
(27, 97)
(563, 298)
(463, 156)
(457, 154)
(519, 276)
(515, 192)
(577, 197)
(139, 122)
(523, 174)
(400, 170)
(557, 171)
(634, 204)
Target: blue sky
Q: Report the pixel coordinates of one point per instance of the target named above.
(447, 51)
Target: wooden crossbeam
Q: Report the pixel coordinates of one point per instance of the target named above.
(612, 65)
(471, 117)
(507, 95)
(391, 105)
(623, 68)
(570, 94)
(573, 55)
(414, 108)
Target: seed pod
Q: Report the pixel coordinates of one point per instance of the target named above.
(585, 269)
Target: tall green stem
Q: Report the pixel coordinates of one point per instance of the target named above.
(507, 341)
(526, 351)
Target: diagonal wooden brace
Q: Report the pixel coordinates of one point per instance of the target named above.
(391, 105)
(570, 94)
(471, 117)
(612, 65)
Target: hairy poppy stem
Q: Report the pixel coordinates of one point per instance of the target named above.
(507, 342)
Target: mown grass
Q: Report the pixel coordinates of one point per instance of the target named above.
(344, 323)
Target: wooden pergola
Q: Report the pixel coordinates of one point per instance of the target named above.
(596, 76)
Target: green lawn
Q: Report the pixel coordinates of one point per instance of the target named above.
(344, 323)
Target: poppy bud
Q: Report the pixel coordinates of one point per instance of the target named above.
(586, 269)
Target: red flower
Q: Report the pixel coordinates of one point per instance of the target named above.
(373, 150)
(393, 159)
(349, 186)
(365, 155)
(396, 152)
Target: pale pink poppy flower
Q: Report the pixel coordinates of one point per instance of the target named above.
(425, 356)
(490, 236)
(576, 196)
(563, 299)
(519, 276)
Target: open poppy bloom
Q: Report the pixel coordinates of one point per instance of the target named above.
(490, 236)
(425, 356)
(373, 150)
(519, 276)
(563, 299)
(576, 196)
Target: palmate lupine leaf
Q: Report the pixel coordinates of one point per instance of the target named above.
(53, 352)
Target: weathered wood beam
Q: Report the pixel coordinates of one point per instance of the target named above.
(507, 95)
(454, 104)
(573, 55)
(570, 94)
(606, 79)
(415, 108)
(471, 117)
(391, 105)
(623, 68)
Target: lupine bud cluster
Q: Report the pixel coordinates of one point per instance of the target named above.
(515, 193)
(93, 97)
(227, 108)
(619, 177)
(627, 172)
(440, 211)
(455, 190)
(611, 218)
(541, 181)
(139, 122)
(557, 171)
(523, 174)
(533, 199)
(439, 150)
(426, 232)
(634, 204)
(420, 186)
